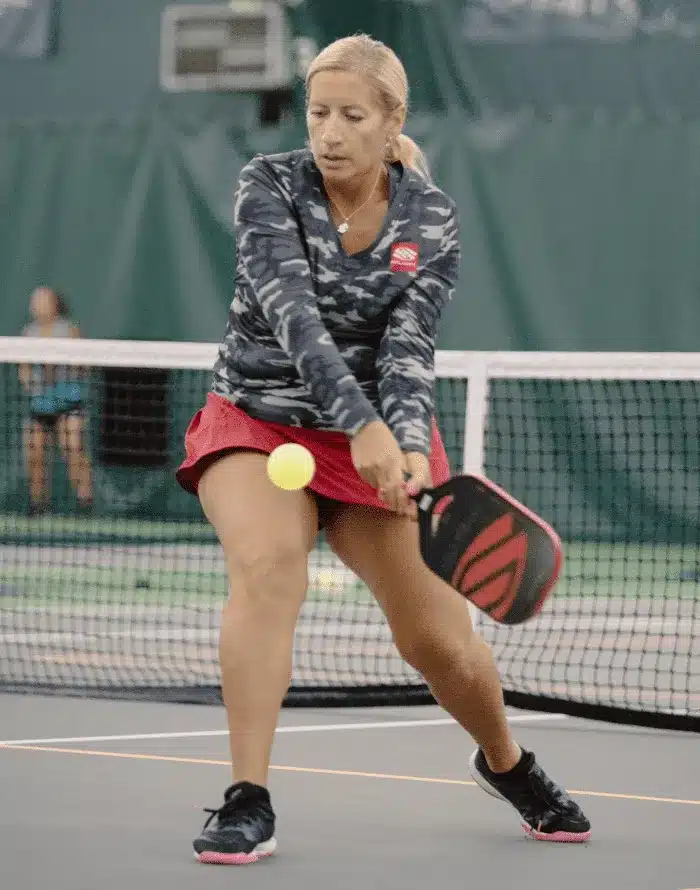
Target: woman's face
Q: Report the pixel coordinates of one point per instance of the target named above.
(43, 304)
(348, 129)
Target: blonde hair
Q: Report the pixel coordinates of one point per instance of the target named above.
(375, 61)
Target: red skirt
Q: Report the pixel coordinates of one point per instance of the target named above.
(220, 427)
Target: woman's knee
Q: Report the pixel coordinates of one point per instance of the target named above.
(266, 534)
(33, 433)
(430, 648)
(70, 439)
(418, 647)
(268, 573)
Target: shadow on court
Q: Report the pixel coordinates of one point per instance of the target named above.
(360, 801)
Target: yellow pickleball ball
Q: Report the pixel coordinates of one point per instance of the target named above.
(291, 466)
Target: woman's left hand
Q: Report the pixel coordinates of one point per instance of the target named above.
(417, 470)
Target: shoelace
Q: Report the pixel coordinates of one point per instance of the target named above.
(213, 814)
(551, 800)
(227, 809)
(230, 807)
(552, 793)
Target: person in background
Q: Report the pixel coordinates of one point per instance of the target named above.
(55, 406)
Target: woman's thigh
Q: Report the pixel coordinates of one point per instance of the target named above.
(383, 549)
(266, 533)
(70, 429)
(36, 439)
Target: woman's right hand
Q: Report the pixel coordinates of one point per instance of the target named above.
(379, 460)
(25, 376)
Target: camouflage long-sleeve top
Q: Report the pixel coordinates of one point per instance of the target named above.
(320, 338)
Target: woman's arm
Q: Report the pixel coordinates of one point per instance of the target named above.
(406, 360)
(271, 255)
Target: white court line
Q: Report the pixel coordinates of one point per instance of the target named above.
(319, 727)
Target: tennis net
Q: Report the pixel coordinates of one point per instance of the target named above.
(122, 597)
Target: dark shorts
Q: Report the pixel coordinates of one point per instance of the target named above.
(220, 427)
(49, 421)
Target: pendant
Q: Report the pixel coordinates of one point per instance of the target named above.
(342, 228)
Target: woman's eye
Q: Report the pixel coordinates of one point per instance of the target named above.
(354, 118)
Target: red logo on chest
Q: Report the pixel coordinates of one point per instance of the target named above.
(404, 257)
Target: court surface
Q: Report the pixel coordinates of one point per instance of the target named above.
(365, 798)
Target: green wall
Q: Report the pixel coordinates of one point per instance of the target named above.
(570, 141)
(573, 154)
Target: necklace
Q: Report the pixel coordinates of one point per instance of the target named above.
(345, 225)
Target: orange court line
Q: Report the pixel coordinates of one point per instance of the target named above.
(163, 758)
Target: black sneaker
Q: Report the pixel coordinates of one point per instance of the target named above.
(547, 813)
(243, 829)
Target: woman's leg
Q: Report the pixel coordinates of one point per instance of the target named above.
(70, 439)
(266, 535)
(430, 623)
(433, 632)
(36, 440)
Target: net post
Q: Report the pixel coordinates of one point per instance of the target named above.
(475, 429)
(475, 415)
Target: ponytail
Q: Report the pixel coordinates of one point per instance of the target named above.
(409, 153)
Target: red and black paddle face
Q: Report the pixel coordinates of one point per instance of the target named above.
(493, 550)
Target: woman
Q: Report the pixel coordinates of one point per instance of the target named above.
(346, 257)
(55, 406)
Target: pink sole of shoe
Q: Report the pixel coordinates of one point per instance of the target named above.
(558, 837)
(210, 857)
